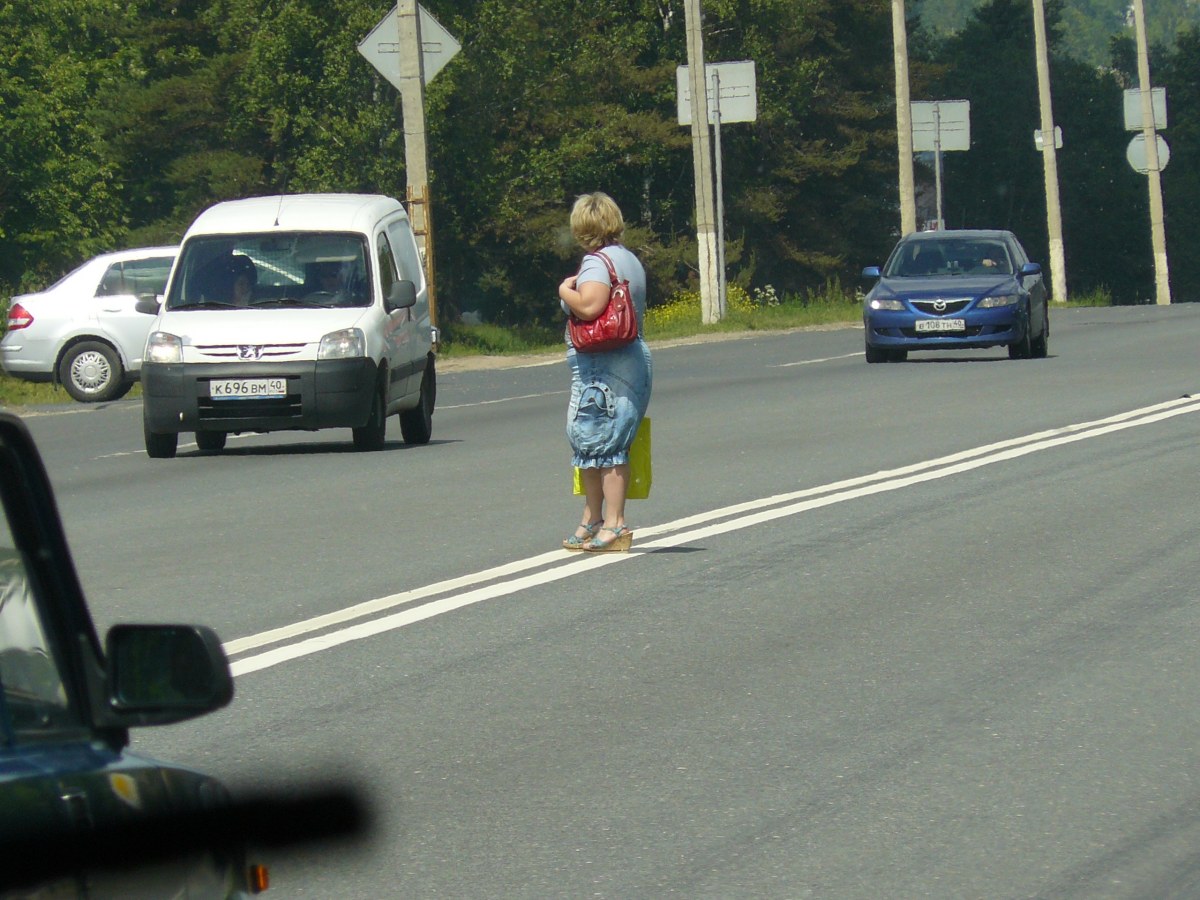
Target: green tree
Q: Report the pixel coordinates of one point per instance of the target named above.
(59, 202)
(998, 183)
(1179, 73)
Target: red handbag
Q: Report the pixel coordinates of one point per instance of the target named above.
(613, 328)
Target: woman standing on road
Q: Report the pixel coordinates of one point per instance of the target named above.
(609, 391)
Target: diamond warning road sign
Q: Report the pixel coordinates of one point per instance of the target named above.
(381, 47)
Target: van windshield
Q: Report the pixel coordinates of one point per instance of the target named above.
(301, 269)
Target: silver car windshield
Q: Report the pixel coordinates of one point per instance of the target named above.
(303, 269)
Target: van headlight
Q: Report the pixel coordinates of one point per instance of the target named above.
(345, 344)
(163, 347)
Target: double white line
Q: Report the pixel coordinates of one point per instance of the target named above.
(333, 629)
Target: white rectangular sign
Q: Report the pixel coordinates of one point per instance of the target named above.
(941, 125)
(1133, 108)
(738, 101)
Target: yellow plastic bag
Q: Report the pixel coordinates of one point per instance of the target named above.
(641, 473)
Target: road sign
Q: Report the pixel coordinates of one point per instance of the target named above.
(381, 47)
(1136, 153)
(1133, 108)
(941, 125)
(1040, 143)
(739, 95)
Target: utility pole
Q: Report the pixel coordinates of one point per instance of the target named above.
(411, 85)
(904, 141)
(1158, 234)
(1058, 269)
(706, 239)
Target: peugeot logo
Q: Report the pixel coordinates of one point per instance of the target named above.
(939, 305)
(250, 351)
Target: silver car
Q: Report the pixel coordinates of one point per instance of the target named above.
(88, 330)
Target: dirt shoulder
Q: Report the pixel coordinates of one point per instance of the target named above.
(553, 357)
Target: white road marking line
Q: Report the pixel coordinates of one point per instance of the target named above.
(809, 362)
(681, 531)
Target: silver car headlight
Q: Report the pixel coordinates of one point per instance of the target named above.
(345, 344)
(887, 303)
(999, 300)
(163, 347)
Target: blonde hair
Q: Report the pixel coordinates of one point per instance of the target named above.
(596, 221)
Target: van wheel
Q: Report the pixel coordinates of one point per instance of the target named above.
(161, 446)
(213, 441)
(92, 372)
(416, 424)
(371, 435)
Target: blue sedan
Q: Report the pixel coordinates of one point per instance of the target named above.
(952, 290)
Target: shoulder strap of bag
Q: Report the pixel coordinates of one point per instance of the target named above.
(612, 272)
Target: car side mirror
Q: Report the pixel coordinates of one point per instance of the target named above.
(158, 674)
(1031, 269)
(148, 303)
(871, 272)
(402, 295)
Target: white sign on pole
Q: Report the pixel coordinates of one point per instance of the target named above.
(941, 125)
(738, 100)
(1040, 143)
(382, 50)
(1133, 108)
(1136, 153)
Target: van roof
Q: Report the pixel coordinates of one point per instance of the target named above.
(296, 212)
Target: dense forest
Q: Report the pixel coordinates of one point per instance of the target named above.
(122, 119)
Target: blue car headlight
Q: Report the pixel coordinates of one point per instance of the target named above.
(999, 300)
(887, 303)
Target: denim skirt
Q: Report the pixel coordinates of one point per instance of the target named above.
(610, 393)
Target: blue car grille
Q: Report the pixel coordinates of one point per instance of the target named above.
(940, 307)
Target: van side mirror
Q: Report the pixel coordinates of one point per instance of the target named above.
(402, 295)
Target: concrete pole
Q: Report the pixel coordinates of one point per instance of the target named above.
(1058, 265)
(706, 237)
(416, 161)
(904, 143)
(1158, 234)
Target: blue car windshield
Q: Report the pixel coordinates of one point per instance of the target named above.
(949, 256)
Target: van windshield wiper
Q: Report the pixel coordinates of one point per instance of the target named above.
(210, 304)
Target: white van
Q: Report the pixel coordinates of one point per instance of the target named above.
(294, 312)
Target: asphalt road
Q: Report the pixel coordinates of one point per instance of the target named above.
(905, 630)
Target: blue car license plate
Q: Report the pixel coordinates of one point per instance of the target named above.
(940, 325)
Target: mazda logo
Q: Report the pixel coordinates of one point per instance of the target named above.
(939, 305)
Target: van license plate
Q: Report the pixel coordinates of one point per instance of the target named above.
(247, 388)
(940, 325)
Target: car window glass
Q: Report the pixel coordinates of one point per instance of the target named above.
(387, 264)
(401, 236)
(136, 276)
(33, 702)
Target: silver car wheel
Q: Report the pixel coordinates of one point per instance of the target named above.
(90, 372)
